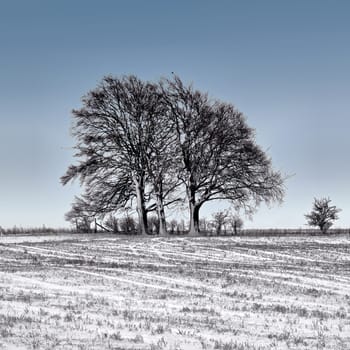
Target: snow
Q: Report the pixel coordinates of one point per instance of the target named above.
(88, 291)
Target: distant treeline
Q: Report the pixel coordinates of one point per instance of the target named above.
(34, 230)
(244, 232)
(292, 232)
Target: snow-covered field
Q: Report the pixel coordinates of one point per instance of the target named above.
(114, 292)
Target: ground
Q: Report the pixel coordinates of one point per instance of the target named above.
(118, 292)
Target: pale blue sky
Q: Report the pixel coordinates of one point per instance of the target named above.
(284, 64)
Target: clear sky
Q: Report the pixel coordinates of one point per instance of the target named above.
(284, 64)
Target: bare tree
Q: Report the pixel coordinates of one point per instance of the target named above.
(218, 156)
(323, 214)
(114, 130)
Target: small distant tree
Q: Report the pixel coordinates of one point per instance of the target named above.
(220, 220)
(153, 225)
(83, 224)
(236, 223)
(128, 225)
(112, 223)
(173, 226)
(203, 224)
(79, 216)
(323, 214)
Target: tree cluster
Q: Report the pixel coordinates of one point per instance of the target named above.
(152, 146)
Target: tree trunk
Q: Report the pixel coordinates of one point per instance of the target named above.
(161, 216)
(194, 219)
(194, 209)
(141, 208)
(158, 187)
